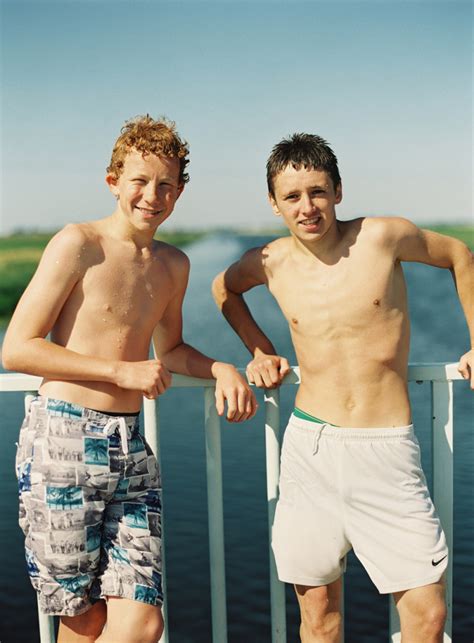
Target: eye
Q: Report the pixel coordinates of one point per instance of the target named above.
(139, 181)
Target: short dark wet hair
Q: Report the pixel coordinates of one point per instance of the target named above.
(302, 150)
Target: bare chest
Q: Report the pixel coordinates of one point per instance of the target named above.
(354, 294)
(125, 292)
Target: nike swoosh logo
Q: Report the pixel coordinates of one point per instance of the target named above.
(437, 562)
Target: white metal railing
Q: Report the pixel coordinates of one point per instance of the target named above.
(440, 375)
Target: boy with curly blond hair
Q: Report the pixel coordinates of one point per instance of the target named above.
(89, 484)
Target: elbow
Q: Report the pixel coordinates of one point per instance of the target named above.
(9, 358)
(463, 260)
(218, 289)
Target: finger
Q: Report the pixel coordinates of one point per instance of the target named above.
(220, 402)
(462, 367)
(161, 387)
(266, 379)
(250, 377)
(231, 407)
(270, 374)
(284, 367)
(258, 381)
(251, 407)
(240, 414)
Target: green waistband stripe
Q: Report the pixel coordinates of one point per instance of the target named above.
(306, 416)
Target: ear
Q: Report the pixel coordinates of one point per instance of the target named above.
(339, 193)
(180, 190)
(274, 205)
(112, 181)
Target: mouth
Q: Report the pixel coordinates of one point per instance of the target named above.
(148, 213)
(311, 222)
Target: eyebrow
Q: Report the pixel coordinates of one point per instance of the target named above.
(311, 187)
(134, 177)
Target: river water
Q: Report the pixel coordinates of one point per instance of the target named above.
(439, 334)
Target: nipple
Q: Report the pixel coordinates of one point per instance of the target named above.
(294, 321)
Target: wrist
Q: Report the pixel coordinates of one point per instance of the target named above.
(218, 368)
(113, 372)
(258, 352)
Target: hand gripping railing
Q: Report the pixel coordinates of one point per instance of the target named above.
(441, 377)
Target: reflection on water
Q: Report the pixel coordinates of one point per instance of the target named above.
(438, 334)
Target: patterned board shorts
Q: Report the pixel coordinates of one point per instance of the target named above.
(90, 507)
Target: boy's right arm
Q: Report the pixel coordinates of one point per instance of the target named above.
(25, 348)
(266, 369)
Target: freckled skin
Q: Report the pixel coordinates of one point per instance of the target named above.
(130, 282)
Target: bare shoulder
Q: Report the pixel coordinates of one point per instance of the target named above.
(386, 231)
(71, 247)
(275, 253)
(173, 259)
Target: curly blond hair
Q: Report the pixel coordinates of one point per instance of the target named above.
(149, 136)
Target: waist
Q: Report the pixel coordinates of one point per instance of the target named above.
(102, 396)
(62, 408)
(351, 433)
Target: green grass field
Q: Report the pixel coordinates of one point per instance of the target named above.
(20, 254)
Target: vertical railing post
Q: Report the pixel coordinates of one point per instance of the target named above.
(442, 407)
(272, 449)
(152, 435)
(216, 517)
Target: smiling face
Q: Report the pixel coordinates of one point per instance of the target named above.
(147, 189)
(306, 199)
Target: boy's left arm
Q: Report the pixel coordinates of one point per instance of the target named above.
(442, 251)
(182, 358)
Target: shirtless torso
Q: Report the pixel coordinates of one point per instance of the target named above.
(349, 326)
(115, 304)
(340, 286)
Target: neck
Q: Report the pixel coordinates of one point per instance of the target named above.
(120, 227)
(326, 248)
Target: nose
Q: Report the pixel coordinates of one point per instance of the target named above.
(151, 194)
(307, 205)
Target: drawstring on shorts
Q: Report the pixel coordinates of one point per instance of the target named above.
(316, 436)
(119, 422)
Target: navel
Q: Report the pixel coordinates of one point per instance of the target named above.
(376, 302)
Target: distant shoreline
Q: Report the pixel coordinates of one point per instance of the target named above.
(21, 252)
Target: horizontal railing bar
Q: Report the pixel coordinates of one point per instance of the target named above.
(437, 371)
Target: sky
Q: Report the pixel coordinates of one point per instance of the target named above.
(388, 84)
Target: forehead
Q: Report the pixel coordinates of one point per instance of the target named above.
(291, 178)
(151, 164)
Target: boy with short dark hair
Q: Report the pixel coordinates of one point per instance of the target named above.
(89, 483)
(352, 479)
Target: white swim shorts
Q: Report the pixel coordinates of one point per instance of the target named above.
(343, 488)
